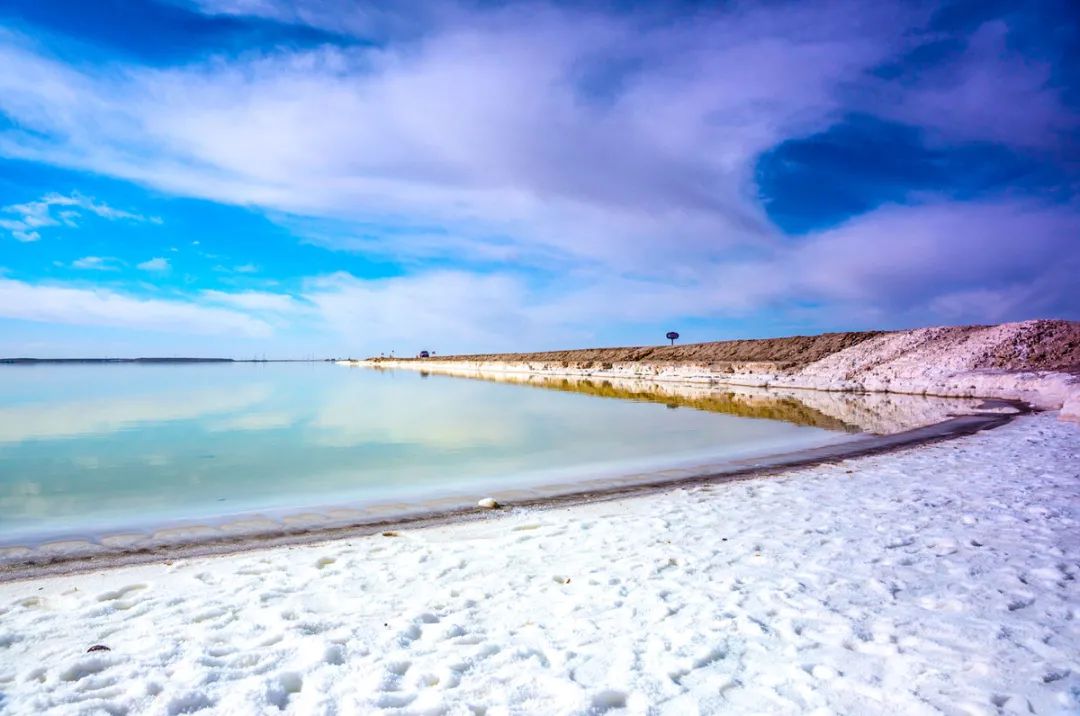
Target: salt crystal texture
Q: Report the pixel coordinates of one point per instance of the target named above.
(937, 579)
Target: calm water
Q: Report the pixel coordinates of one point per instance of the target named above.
(92, 448)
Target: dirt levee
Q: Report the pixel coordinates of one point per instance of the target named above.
(792, 351)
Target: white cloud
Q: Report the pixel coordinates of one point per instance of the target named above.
(255, 301)
(24, 220)
(891, 280)
(157, 263)
(885, 269)
(992, 92)
(96, 263)
(603, 162)
(80, 306)
(513, 158)
(367, 20)
(445, 310)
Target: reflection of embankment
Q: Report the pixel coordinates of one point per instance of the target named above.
(765, 406)
(879, 413)
(883, 413)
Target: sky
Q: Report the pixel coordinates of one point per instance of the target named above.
(328, 178)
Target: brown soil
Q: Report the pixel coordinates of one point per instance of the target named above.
(794, 351)
(1040, 345)
(1052, 345)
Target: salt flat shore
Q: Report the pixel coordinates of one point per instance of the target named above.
(936, 579)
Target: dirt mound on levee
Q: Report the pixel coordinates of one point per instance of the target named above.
(791, 352)
(1037, 345)
(1041, 345)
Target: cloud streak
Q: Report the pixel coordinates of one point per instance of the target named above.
(71, 305)
(261, 301)
(25, 221)
(155, 265)
(95, 263)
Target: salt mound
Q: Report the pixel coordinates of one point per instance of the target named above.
(1039, 345)
(1036, 361)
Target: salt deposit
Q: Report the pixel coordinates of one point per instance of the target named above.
(937, 579)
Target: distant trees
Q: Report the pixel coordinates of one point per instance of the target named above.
(672, 336)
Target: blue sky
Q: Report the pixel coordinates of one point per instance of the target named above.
(259, 177)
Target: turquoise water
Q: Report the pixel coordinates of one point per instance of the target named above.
(98, 448)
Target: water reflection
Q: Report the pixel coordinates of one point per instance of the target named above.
(877, 413)
(99, 448)
(764, 405)
(108, 414)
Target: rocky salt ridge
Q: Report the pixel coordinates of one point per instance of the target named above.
(1002, 361)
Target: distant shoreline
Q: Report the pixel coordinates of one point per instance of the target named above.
(36, 361)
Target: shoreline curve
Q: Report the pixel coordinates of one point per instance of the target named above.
(38, 566)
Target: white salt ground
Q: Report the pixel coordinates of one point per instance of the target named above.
(941, 579)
